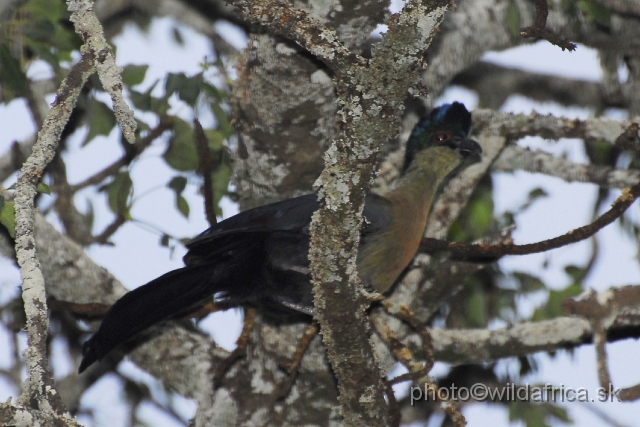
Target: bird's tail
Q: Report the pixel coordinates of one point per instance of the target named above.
(149, 304)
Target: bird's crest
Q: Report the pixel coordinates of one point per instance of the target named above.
(453, 119)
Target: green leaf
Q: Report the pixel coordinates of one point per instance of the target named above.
(118, 192)
(164, 240)
(134, 74)
(182, 153)
(90, 216)
(595, 12)
(146, 102)
(212, 91)
(554, 304)
(224, 124)
(183, 206)
(43, 34)
(101, 121)
(8, 217)
(187, 88)
(529, 282)
(537, 193)
(512, 20)
(475, 311)
(43, 188)
(178, 184)
(215, 138)
(220, 180)
(40, 30)
(576, 273)
(177, 36)
(14, 80)
(140, 100)
(173, 82)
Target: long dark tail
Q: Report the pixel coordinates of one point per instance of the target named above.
(149, 304)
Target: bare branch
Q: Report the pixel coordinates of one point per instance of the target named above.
(539, 30)
(496, 83)
(206, 166)
(134, 151)
(622, 203)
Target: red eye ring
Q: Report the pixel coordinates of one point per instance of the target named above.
(441, 137)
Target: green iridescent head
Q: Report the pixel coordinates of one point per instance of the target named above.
(448, 126)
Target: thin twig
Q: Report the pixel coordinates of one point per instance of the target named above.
(132, 152)
(206, 166)
(539, 28)
(103, 238)
(622, 203)
(88, 27)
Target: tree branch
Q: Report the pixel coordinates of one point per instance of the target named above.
(39, 385)
(622, 203)
(295, 24)
(539, 30)
(623, 134)
(371, 101)
(90, 30)
(515, 158)
(463, 346)
(134, 151)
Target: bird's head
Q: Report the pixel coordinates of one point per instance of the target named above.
(446, 126)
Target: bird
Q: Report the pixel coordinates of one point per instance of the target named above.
(259, 256)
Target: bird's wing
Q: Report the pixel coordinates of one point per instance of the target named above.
(258, 254)
(289, 215)
(292, 215)
(377, 214)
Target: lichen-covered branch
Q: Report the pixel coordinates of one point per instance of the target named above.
(463, 346)
(90, 30)
(371, 100)
(515, 158)
(287, 20)
(39, 388)
(623, 134)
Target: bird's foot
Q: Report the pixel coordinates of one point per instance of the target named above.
(293, 365)
(241, 347)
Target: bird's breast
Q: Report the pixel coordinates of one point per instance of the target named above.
(383, 257)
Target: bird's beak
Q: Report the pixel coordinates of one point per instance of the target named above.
(468, 147)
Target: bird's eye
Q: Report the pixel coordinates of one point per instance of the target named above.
(441, 137)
